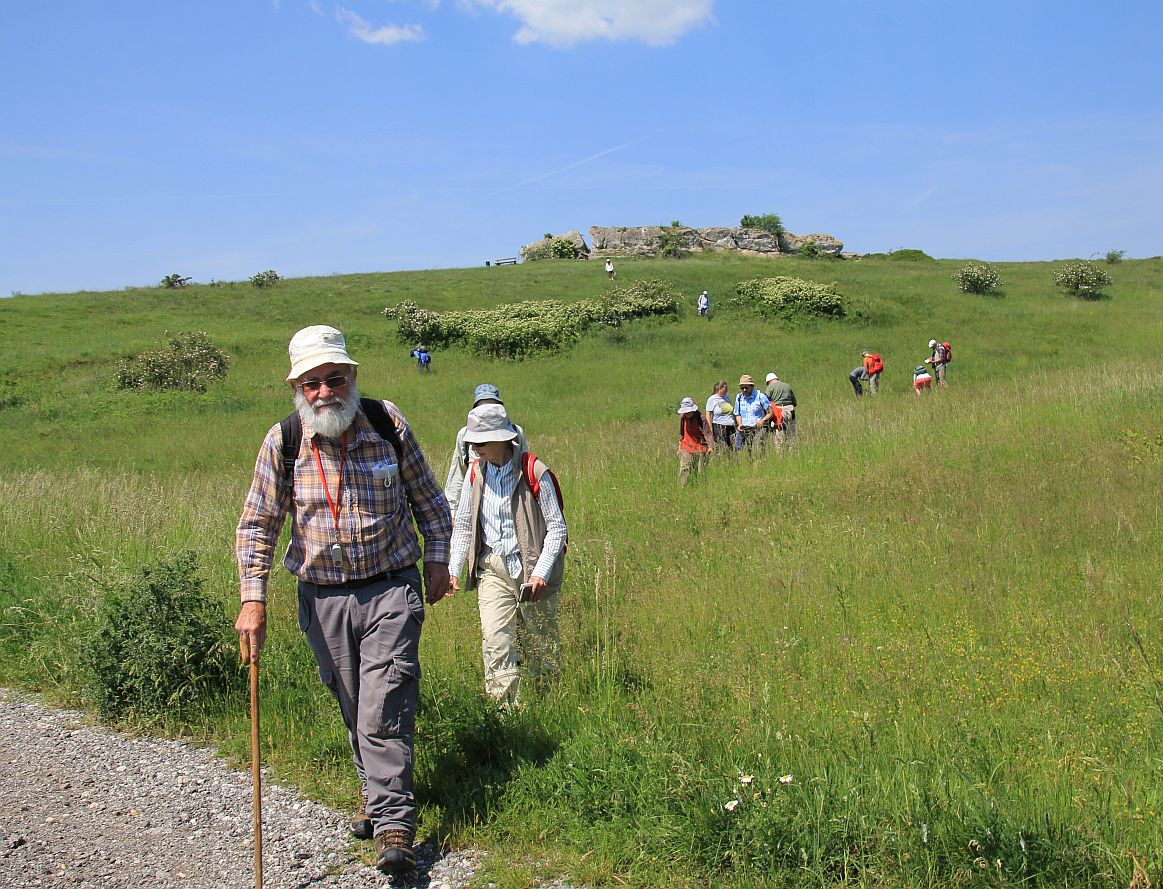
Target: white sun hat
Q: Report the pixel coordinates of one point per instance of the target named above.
(315, 346)
(489, 422)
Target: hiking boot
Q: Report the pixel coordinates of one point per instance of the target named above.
(394, 853)
(361, 827)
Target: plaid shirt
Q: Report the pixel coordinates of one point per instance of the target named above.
(375, 522)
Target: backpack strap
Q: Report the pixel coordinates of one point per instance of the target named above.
(291, 428)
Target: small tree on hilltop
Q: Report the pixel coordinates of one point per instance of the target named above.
(977, 279)
(670, 243)
(768, 222)
(171, 281)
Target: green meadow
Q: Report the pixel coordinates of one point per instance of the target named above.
(922, 648)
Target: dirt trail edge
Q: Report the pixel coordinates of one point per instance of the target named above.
(82, 806)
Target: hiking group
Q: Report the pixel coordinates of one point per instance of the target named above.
(352, 478)
(872, 366)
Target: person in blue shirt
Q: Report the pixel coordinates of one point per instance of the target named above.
(423, 359)
(752, 411)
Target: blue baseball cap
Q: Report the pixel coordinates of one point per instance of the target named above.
(486, 391)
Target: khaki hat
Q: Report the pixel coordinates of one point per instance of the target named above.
(314, 346)
(746, 380)
(488, 422)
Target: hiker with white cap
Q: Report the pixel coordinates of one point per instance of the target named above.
(939, 360)
(351, 476)
(463, 453)
(704, 306)
(694, 441)
(752, 411)
(508, 544)
(781, 396)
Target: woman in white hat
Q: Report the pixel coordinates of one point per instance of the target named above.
(694, 441)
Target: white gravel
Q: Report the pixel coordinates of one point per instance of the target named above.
(82, 806)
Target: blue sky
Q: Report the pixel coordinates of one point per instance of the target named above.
(220, 138)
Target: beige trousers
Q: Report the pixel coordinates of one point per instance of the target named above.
(514, 634)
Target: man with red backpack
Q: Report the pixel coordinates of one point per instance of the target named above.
(873, 367)
(510, 530)
(939, 360)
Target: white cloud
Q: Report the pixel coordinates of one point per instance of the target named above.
(563, 23)
(385, 35)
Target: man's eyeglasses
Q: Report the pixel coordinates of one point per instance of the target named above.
(335, 381)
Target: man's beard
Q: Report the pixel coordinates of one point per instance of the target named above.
(329, 423)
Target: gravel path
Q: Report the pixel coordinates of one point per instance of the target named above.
(81, 806)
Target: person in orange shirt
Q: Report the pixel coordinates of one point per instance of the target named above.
(873, 366)
(694, 441)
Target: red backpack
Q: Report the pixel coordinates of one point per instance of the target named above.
(948, 352)
(528, 464)
(877, 363)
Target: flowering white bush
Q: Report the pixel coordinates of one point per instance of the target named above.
(790, 297)
(977, 278)
(519, 330)
(1083, 278)
(190, 362)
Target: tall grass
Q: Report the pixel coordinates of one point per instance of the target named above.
(937, 615)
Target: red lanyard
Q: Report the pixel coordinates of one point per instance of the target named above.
(333, 504)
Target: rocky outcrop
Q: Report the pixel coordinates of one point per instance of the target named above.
(644, 241)
(542, 246)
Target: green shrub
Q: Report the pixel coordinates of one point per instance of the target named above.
(521, 330)
(670, 243)
(537, 252)
(1114, 257)
(1083, 278)
(768, 222)
(160, 645)
(810, 250)
(910, 255)
(977, 278)
(563, 248)
(790, 298)
(172, 281)
(269, 278)
(189, 363)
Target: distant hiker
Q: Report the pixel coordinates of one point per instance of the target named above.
(463, 453)
(752, 411)
(781, 396)
(721, 416)
(610, 273)
(873, 367)
(704, 305)
(351, 476)
(939, 360)
(423, 359)
(858, 374)
(694, 441)
(921, 379)
(510, 528)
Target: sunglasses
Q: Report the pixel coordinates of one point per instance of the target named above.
(335, 381)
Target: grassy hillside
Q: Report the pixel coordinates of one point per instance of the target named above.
(939, 616)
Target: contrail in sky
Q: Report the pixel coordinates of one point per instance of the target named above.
(585, 160)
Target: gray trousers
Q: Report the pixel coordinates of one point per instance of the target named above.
(366, 642)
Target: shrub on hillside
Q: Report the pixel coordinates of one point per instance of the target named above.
(790, 298)
(670, 243)
(1083, 278)
(160, 644)
(563, 248)
(977, 278)
(189, 363)
(269, 278)
(768, 222)
(809, 250)
(1114, 257)
(908, 254)
(174, 281)
(520, 330)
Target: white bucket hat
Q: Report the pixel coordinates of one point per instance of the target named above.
(771, 376)
(687, 405)
(489, 422)
(313, 346)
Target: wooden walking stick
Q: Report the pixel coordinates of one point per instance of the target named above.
(251, 657)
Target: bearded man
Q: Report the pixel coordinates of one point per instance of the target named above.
(352, 494)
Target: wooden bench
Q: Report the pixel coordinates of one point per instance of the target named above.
(509, 260)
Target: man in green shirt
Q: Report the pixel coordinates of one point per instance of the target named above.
(781, 394)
